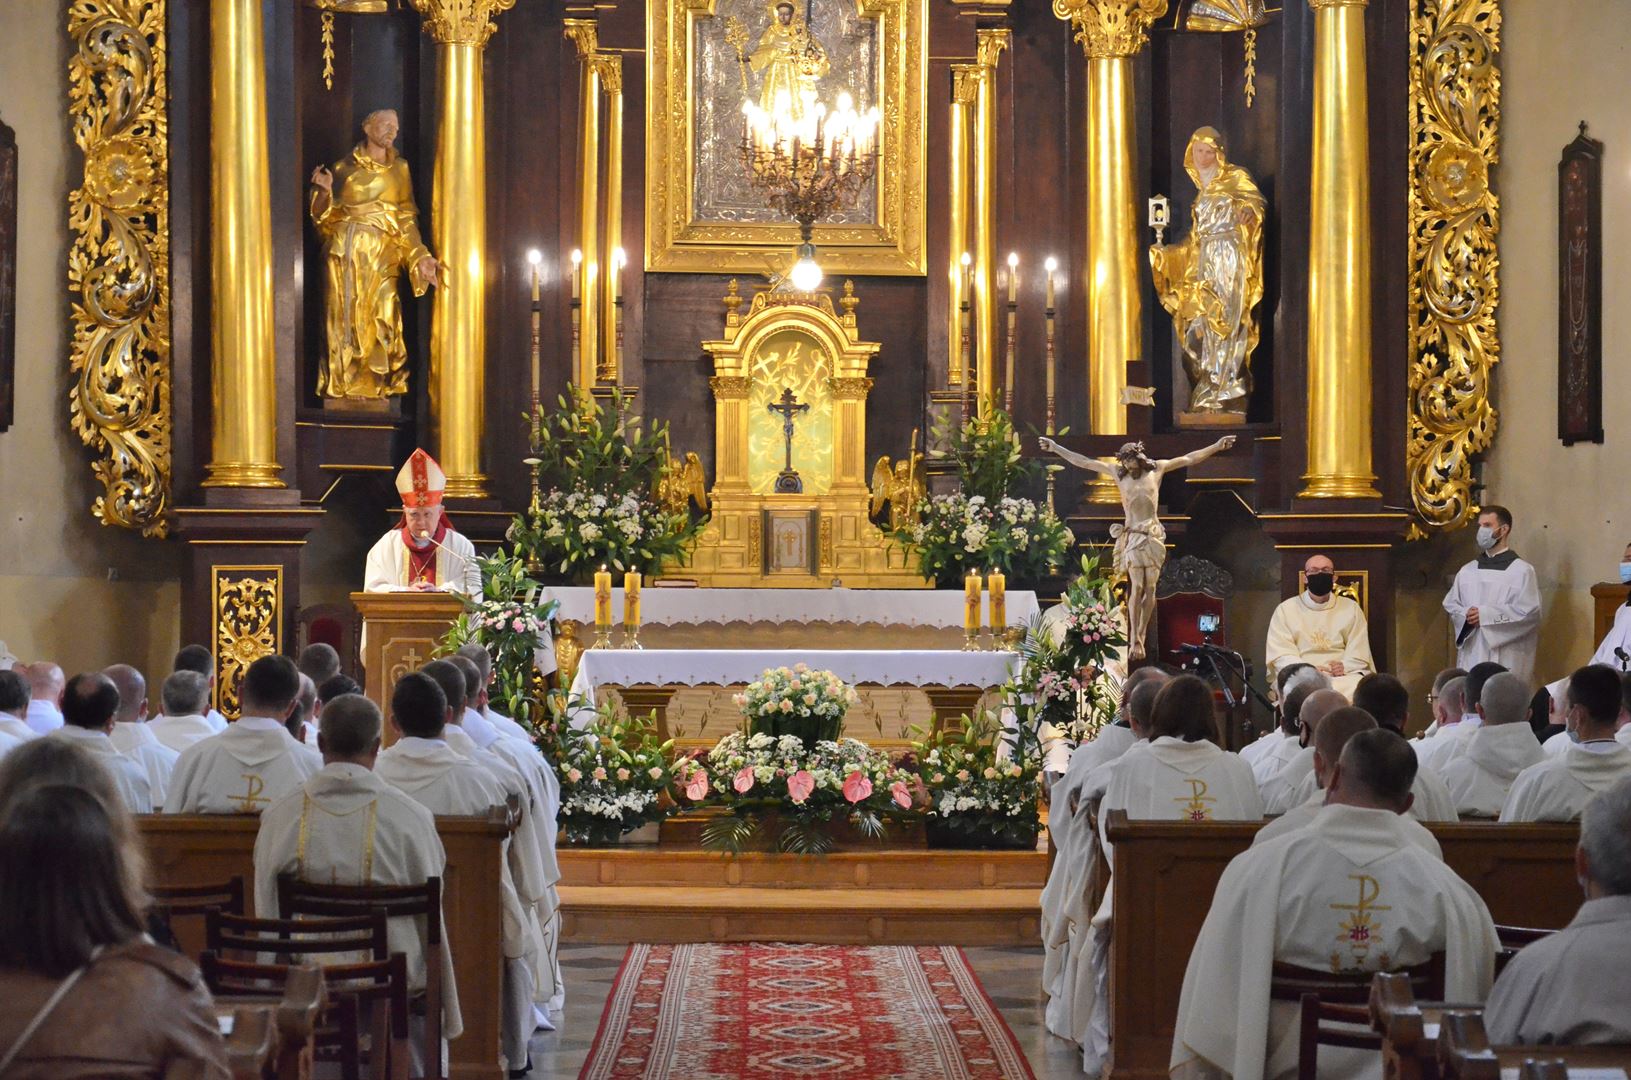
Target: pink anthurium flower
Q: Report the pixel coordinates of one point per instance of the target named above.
(857, 786)
(902, 797)
(799, 785)
(697, 786)
(743, 782)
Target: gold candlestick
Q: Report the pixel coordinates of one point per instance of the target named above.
(1047, 317)
(970, 377)
(1013, 309)
(577, 311)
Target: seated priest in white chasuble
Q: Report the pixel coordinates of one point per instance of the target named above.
(1274, 739)
(130, 734)
(1066, 916)
(1499, 749)
(14, 730)
(89, 704)
(1330, 737)
(421, 764)
(346, 826)
(1494, 602)
(1560, 786)
(1319, 627)
(1569, 988)
(1283, 745)
(1279, 787)
(255, 761)
(423, 552)
(1352, 891)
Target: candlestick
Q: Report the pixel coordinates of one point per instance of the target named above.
(534, 258)
(619, 260)
(577, 314)
(1048, 317)
(971, 611)
(1013, 277)
(603, 609)
(970, 387)
(1160, 217)
(631, 610)
(997, 587)
(1013, 312)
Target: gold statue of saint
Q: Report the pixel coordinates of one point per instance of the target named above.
(365, 214)
(1212, 283)
(792, 61)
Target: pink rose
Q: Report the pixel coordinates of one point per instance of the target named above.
(599, 773)
(697, 786)
(744, 780)
(857, 786)
(519, 626)
(799, 786)
(902, 797)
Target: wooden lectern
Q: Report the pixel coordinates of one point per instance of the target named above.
(401, 632)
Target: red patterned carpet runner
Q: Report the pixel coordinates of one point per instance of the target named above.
(757, 1012)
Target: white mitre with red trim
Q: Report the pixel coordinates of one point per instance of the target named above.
(421, 481)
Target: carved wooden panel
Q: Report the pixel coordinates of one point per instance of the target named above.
(1580, 291)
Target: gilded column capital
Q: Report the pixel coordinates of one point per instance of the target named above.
(1318, 4)
(585, 34)
(850, 388)
(460, 22)
(609, 66)
(989, 44)
(965, 83)
(729, 387)
(1110, 29)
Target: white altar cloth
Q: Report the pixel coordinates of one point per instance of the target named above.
(936, 608)
(730, 667)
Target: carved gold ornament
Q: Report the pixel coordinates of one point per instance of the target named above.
(461, 22)
(248, 612)
(1110, 28)
(119, 265)
(1455, 108)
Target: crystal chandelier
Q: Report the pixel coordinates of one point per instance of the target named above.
(808, 163)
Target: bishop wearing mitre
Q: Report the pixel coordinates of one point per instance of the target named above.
(423, 552)
(1321, 628)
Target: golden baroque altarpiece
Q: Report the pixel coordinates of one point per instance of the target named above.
(247, 610)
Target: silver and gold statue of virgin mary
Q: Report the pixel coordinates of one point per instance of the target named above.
(1212, 283)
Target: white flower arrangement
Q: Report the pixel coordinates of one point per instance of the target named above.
(982, 783)
(614, 776)
(797, 701)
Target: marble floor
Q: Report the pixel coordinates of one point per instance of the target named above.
(1012, 975)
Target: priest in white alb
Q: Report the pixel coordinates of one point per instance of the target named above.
(184, 699)
(423, 552)
(1349, 892)
(1321, 628)
(255, 761)
(1494, 602)
(89, 703)
(1287, 786)
(1558, 788)
(1501, 747)
(421, 764)
(347, 826)
(130, 734)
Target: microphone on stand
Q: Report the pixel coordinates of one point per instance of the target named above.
(423, 535)
(1623, 657)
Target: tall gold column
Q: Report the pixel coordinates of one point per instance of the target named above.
(610, 70)
(1339, 261)
(991, 42)
(965, 82)
(243, 391)
(1112, 32)
(458, 333)
(585, 35)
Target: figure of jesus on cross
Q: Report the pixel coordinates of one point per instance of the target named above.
(788, 481)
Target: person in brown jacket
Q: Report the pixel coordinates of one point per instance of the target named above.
(87, 993)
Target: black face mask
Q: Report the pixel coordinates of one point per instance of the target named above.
(1320, 584)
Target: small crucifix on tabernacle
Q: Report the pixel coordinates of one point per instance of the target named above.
(788, 481)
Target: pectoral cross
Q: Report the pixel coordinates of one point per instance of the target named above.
(788, 481)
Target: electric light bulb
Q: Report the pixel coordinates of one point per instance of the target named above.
(535, 256)
(806, 274)
(1013, 259)
(1052, 264)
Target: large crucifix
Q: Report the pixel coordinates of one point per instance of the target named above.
(788, 481)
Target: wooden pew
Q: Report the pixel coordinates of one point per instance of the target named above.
(196, 848)
(1166, 873)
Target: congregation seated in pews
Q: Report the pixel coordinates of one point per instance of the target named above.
(1221, 928)
(328, 834)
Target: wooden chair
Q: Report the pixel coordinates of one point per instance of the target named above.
(303, 898)
(376, 989)
(1335, 1007)
(297, 940)
(191, 901)
(1513, 939)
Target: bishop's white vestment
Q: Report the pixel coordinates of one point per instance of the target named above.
(1302, 630)
(136, 742)
(346, 826)
(447, 784)
(243, 770)
(180, 732)
(1507, 595)
(128, 776)
(1303, 815)
(1351, 891)
(1559, 787)
(456, 569)
(1480, 777)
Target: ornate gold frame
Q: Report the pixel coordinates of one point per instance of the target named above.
(119, 265)
(1454, 223)
(246, 605)
(894, 244)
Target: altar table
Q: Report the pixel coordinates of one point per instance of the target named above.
(647, 679)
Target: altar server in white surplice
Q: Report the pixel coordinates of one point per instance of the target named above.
(1350, 891)
(421, 764)
(1559, 787)
(89, 704)
(131, 736)
(184, 697)
(1321, 628)
(14, 730)
(1281, 791)
(1330, 739)
(1494, 602)
(1066, 914)
(253, 763)
(1497, 750)
(1569, 988)
(1179, 775)
(423, 552)
(347, 826)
